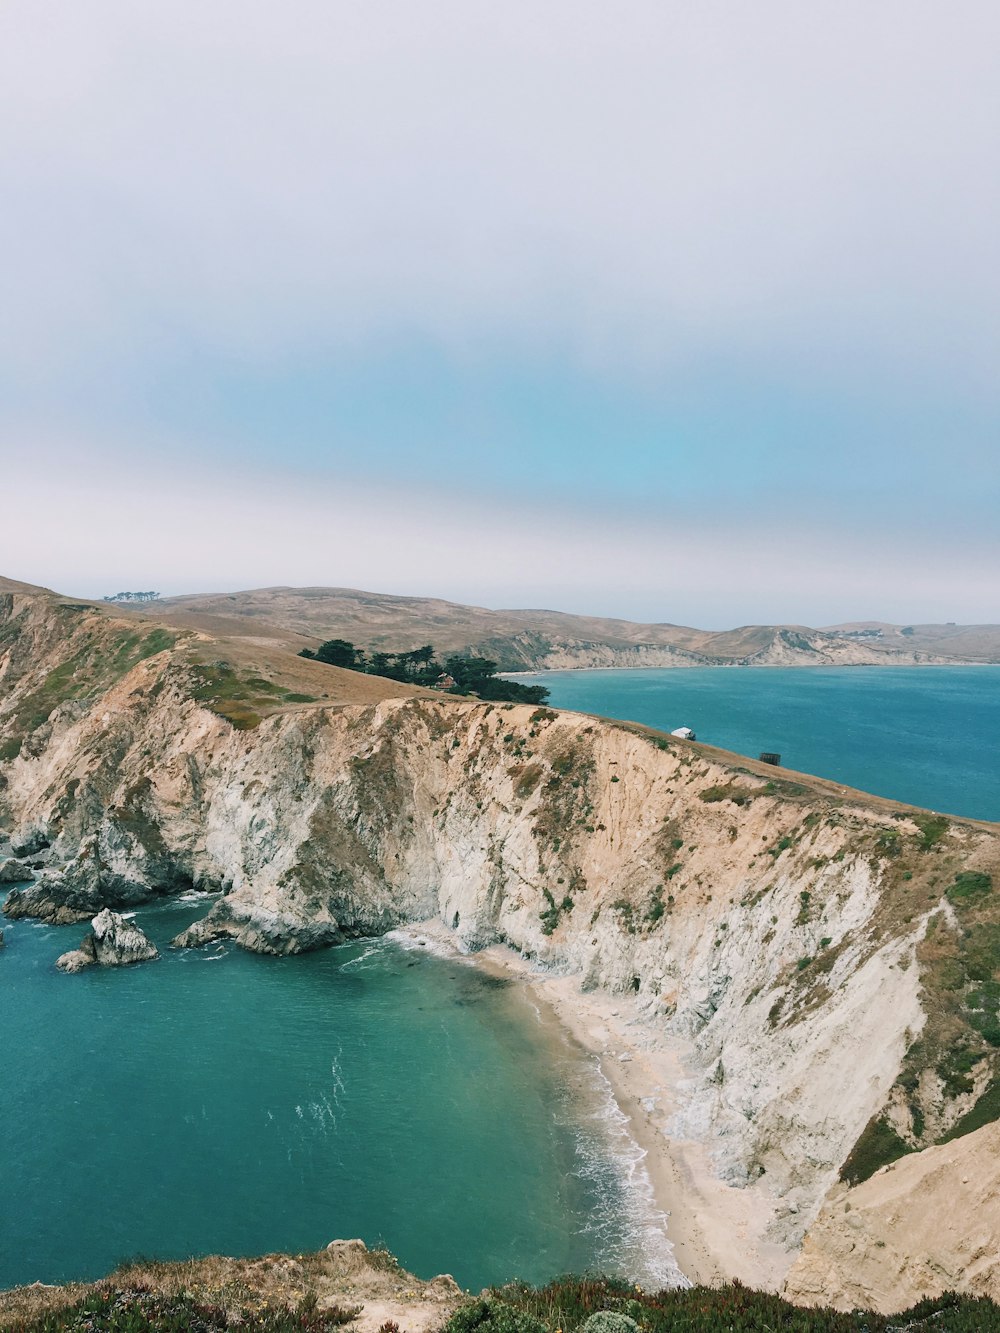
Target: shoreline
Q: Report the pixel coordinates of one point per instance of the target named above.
(716, 1232)
(745, 666)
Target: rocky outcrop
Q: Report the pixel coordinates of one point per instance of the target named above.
(15, 872)
(75, 960)
(30, 843)
(80, 889)
(259, 931)
(112, 941)
(50, 899)
(345, 1280)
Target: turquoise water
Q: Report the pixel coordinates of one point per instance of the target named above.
(929, 736)
(217, 1101)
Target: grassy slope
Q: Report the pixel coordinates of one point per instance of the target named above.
(58, 651)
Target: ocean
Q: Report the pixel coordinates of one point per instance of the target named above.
(219, 1101)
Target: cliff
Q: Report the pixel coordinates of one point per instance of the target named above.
(826, 961)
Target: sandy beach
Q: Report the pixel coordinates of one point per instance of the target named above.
(717, 1232)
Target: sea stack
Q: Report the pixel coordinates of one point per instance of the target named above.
(111, 942)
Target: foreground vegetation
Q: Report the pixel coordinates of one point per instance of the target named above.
(419, 666)
(566, 1306)
(563, 1306)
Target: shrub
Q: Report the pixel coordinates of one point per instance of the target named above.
(609, 1305)
(549, 916)
(932, 829)
(492, 1315)
(878, 1145)
(970, 884)
(606, 1321)
(732, 791)
(656, 907)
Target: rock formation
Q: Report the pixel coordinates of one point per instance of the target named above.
(15, 872)
(31, 841)
(111, 942)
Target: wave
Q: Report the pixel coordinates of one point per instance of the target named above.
(628, 1229)
(364, 961)
(412, 940)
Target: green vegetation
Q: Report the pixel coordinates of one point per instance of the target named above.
(878, 1145)
(242, 701)
(985, 1111)
(626, 912)
(567, 1304)
(549, 916)
(95, 660)
(419, 666)
(932, 829)
(731, 791)
(657, 907)
(970, 884)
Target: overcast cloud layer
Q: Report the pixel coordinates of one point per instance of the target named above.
(681, 311)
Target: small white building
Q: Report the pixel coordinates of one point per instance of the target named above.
(685, 733)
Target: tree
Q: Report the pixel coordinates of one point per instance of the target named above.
(472, 675)
(341, 653)
(380, 664)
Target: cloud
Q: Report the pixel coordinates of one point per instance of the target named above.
(646, 188)
(679, 278)
(100, 526)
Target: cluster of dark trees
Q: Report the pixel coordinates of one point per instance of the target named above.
(419, 666)
(133, 597)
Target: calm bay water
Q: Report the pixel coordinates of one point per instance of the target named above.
(929, 736)
(216, 1101)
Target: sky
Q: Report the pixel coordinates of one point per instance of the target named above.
(671, 311)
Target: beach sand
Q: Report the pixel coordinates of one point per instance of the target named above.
(718, 1232)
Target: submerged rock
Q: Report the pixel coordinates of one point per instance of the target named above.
(112, 942)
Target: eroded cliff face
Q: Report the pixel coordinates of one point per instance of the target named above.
(929, 1224)
(784, 647)
(819, 954)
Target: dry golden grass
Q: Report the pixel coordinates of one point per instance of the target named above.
(346, 1275)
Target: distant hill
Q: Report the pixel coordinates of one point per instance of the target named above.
(521, 640)
(968, 643)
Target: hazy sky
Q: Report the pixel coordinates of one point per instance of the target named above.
(679, 311)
